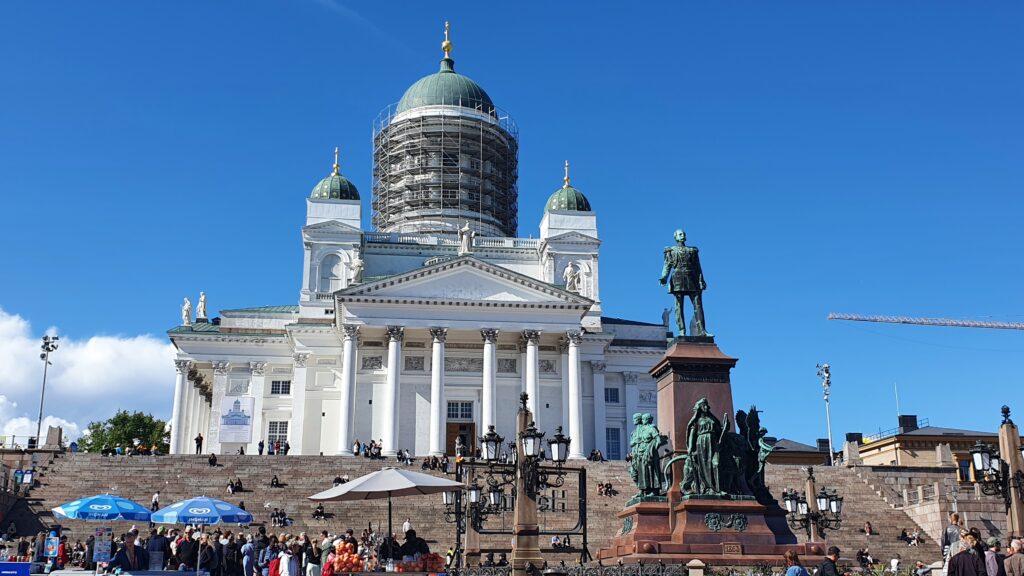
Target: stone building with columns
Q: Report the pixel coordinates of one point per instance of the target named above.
(428, 327)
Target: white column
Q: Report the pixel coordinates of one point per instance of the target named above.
(204, 422)
(191, 418)
(632, 395)
(563, 348)
(295, 432)
(600, 413)
(197, 402)
(522, 365)
(258, 388)
(532, 338)
(575, 397)
(217, 393)
(389, 432)
(178, 408)
(184, 447)
(438, 405)
(347, 387)
(487, 397)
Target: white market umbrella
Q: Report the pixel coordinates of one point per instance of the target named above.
(385, 484)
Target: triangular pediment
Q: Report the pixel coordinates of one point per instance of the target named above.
(576, 237)
(329, 228)
(464, 279)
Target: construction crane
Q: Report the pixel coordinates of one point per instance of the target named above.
(927, 321)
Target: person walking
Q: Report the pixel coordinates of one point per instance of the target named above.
(1014, 563)
(967, 561)
(154, 504)
(828, 565)
(950, 539)
(199, 443)
(259, 447)
(248, 556)
(407, 525)
(994, 558)
(793, 565)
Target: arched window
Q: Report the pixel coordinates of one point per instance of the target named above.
(332, 273)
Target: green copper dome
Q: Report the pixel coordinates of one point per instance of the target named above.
(335, 186)
(445, 88)
(567, 198)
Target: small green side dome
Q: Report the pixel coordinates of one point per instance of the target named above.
(567, 198)
(335, 186)
(445, 88)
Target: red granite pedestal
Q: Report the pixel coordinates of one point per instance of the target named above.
(716, 531)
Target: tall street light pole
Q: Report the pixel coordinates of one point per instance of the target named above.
(826, 385)
(49, 345)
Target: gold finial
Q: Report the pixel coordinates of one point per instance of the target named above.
(566, 180)
(337, 168)
(446, 46)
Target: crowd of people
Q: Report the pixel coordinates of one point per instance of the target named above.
(222, 553)
(434, 463)
(141, 449)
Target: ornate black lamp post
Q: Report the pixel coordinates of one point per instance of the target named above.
(1000, 472)
(825, 515)
(526, 472)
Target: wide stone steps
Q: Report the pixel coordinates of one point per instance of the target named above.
(178, 477)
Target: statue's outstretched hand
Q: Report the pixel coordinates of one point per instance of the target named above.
(703, 284)
(663, 281)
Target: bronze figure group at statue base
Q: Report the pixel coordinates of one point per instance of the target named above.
(712, 504)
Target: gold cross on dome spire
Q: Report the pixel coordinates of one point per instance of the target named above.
(337, 168)
(566, 179)
(446, 46)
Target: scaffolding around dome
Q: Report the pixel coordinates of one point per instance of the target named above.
(438, 167)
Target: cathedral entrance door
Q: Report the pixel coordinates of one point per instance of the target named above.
(464, 430)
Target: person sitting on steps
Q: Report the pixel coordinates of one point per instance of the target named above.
(318, 512)
(274, 482)
(212, 460)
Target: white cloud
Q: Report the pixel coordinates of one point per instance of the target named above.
(88, 380)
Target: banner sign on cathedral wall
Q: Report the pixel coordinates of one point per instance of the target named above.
(236, 418)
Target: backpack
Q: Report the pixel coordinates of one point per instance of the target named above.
(275, 567)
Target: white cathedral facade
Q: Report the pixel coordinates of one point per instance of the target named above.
(428, 327)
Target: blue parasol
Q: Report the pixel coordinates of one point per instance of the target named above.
(201, 510)
(102, 507)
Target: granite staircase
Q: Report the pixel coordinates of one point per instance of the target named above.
(178, 477)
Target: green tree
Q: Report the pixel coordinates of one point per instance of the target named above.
(125, 429)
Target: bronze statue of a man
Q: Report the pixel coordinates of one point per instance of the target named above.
(683, 276)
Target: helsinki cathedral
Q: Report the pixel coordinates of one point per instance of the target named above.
(425, 329)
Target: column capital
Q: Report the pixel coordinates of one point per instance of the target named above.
(574, 337)
(490, 335)
(301, 358)
(395, 333)
(597, 366)
(220, 367)
(629, 377)
(439, 334)
(531, 336)
(258, 368)
(350, 331)
(182, 366)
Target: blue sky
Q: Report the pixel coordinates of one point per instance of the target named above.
(824, 156)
